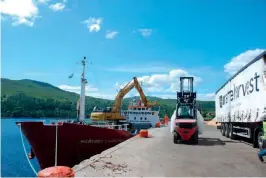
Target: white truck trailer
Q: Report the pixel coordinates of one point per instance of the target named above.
(240, 104)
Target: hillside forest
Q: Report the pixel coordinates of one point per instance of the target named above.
(34, 99)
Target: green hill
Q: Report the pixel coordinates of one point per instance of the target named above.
(37, 89)
(29, 98)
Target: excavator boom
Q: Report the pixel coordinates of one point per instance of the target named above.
(114, 114)
(141, 93)
(121, 95)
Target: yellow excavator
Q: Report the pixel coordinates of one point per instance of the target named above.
(113, 113)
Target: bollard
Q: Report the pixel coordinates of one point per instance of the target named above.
(158, 124)
(143, 133)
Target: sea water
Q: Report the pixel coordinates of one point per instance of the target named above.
(13, 159)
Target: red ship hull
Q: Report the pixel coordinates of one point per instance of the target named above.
(75, 143)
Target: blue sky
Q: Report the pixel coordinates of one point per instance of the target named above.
(156, 41)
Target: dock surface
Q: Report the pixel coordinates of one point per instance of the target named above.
(214, 156)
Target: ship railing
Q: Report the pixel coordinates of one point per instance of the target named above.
(113, 126)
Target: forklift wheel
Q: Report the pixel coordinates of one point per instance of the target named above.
(175, 138)
(196, 138)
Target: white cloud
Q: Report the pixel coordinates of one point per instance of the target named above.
(166, 96)
(200, 96)
(57, 6)
(43, 1)
(177, 73)
(145, 32)
(111, 34)
(102, 96)
(93, 24)
(89, 91)
(206, 97)
(76, 89)
(241, 60)
(22, 21)
(21, 11)
(94, 92)
(168, 82)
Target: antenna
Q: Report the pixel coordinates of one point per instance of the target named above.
(82, 92)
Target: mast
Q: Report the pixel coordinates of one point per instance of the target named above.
(82, 93)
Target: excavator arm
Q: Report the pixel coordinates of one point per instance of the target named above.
(126, 89)
(121, 94)
(141, 93)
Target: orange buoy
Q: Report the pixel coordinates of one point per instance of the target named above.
(143, 133)
(57, 171)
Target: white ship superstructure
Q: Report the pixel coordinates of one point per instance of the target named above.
(141, 116)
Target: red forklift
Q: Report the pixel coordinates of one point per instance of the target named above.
(186, 128)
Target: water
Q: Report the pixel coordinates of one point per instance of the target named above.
(13, 159)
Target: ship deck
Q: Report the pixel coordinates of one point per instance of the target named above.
(214, 156)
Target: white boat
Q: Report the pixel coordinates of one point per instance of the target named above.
(140, 116)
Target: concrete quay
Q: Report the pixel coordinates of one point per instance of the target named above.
(156, 156)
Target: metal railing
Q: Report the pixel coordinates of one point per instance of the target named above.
(112, 126)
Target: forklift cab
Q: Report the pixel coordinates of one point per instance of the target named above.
(185, 111)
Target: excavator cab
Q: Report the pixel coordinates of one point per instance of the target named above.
(186, 112)
(98, 109)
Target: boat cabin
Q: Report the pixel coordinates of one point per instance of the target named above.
(141, 115)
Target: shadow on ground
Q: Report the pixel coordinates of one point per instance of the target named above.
(206, 142)
(210, 142)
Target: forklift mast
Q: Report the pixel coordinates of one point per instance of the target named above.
(186, 96)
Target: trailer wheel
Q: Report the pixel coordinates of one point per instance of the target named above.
(223, 129)
(231, 135)
(258, 139)
(227, 130)
(175, 138)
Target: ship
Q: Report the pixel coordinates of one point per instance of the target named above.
(69, 143)
(141, 116)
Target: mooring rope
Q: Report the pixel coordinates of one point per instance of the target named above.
(56, 136)
(26, 152)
